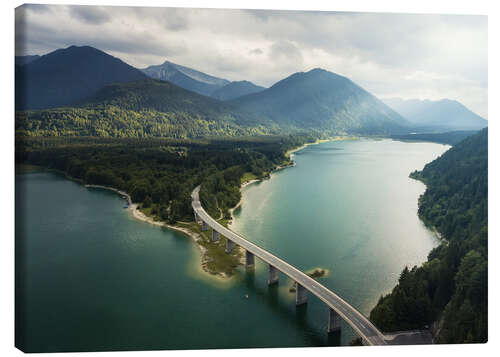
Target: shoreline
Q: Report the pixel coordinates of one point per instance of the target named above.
(428, 225)
(137, 214)
(194, 236)
(288, 154)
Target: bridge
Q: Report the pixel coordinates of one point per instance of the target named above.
(337, 307)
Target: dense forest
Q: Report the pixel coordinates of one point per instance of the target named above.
(160, 174)
(141, 109)
(449, 292)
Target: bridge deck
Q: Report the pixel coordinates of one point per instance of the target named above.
(353, 317)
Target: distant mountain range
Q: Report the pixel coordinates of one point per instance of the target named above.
(97, 94)
(186, 78)
(442, 115)
(235, 90)
(200, 82)
(67, 76)
(323, 101)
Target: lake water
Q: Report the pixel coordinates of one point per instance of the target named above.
(91, 277)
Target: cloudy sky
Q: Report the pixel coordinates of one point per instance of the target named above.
(390, 55)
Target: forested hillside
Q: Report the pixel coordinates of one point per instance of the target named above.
(160, 174)
(154, 108)
(323, 101)
(146, 108)
(449, 291)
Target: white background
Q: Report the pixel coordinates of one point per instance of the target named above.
(481, 7)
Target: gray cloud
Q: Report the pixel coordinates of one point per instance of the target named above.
(256, 51)
(38, 8)
(285, 50)
(397, 55)
(94, 15)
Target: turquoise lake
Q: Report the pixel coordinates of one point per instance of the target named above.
(91, 277)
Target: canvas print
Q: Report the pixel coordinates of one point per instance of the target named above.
(192, 178)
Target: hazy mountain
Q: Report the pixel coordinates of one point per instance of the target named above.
(237, 89)
(323, 101)
(66, 76)
(444, 114)
(407, 107)
(22, 60)
(185, 77)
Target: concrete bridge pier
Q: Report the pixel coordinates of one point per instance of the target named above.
(301, 295)
(249, 259)
(273, 275)
(215, 235)
(229, 245)
(204, 226)
(196, 218)
(334, 321)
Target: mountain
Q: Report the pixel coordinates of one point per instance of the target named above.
(323, 101)
(234, 90)
(67, 76)
(444, 114)
(186, 78)
(408, 107)
(22, 60)
(161, 96)
(317, 101)
(146, 108)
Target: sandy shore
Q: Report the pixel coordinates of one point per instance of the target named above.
(243, 185)
(137, 214)
(196, 237)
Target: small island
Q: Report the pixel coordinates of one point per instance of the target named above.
(315, 273)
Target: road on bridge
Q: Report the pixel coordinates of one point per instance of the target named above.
(366, 330)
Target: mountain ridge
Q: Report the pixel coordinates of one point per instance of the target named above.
(444, 114)
(316, 101)
(185, 77)
(323, 100)
(66, 76)
(235, 90)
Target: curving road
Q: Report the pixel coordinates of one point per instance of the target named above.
(366, 330)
